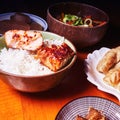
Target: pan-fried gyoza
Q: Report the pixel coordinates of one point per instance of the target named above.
(109, 65)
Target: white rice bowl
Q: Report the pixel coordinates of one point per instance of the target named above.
(19, 69)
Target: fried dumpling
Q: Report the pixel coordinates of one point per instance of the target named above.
(108, 61)
(112, 78)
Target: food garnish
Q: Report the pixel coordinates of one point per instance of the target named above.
(75, 20)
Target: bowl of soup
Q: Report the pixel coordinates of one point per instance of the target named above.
(84, 25)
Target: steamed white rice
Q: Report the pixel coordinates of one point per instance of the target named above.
(21, 62)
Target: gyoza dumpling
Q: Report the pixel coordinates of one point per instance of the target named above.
(108, 61)
(113, 77)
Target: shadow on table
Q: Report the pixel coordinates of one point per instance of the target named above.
(73, 84)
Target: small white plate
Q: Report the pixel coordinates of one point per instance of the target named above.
(94, 76)
(81, 105)
(33, 17)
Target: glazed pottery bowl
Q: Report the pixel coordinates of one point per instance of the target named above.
(81, 36)
(37, 83)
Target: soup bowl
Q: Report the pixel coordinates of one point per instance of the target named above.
(80, 35)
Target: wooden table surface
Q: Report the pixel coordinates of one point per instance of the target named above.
(15, 105)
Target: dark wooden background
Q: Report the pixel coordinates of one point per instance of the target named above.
(39, 7)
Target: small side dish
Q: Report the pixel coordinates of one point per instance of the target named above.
(20, 21)
(96, 77)
(109, 65)
(89, 108)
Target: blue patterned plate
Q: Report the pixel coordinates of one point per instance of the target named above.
(80, 107)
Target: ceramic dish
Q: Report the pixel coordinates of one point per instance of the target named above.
(33, 17)
(94, 76)
(80, 36)
(38, 83)
(80, 107)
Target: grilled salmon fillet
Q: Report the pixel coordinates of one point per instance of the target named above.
(55, 56)
(21, 39)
